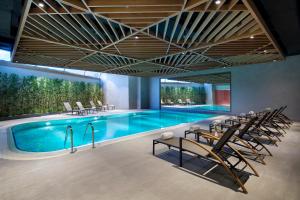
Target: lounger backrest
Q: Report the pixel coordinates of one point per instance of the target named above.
(270, 117)
(68, 106)
(225, 138)
(247, 127)
(100, 103)
(188, 100)
(280, 110)
(264, 117)
(80, 106)
(92, 104)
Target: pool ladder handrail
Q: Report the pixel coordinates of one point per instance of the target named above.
(69, 127)
(93, 133)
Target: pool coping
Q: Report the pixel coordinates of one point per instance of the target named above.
(9, 151)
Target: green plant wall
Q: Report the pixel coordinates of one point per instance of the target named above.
(195, 94)
(39, 95)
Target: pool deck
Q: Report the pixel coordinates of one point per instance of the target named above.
(127, 170)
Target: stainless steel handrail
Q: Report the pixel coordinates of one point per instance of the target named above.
(93, 133)
(71, 138)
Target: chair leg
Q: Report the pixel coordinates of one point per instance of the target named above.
(153, 148)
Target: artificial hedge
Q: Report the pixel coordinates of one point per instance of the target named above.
(39, 95)
(195, 94)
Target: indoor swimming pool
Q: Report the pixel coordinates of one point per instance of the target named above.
(49, 136)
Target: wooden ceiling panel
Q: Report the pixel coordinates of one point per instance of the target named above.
(219, 78)
(143, 37)
(142, 46)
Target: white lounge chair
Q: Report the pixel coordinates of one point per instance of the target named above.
(188, 101)
(94, 106)
(180, 102)
(170, 102)
(69, 108)
(103, 107)
(83, 109)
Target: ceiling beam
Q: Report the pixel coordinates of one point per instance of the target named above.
(257, 16)
(24, 16)
(104, 3)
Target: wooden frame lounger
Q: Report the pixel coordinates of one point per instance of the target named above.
(250, 142)
(257, 131)
(216, 153)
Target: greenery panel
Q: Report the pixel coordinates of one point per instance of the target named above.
(195, 94)
(39, 95)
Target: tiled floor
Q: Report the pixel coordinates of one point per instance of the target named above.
(127, 170)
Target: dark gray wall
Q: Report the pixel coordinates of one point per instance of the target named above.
(133, 92)
(255, 87)
(154, 93)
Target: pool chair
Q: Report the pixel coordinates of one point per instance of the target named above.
(221, 153)
(169, 102)
(70, 109)
(180, 102)
(251, 146)
(103, 107)
(260, 134)
(188, 101)
(111, 107)
(162, 102)
(83, 109)
(268, 128)
(93, 106)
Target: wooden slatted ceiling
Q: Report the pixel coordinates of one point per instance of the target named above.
(239, 47)
(220, 78)
(144, 37)
(143, 47)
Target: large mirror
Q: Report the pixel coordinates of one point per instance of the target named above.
(202, 93)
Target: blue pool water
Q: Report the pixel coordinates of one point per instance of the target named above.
(212, 108)
(50, 135)
(198, 108)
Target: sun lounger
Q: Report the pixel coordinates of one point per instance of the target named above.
(93, 106)
(188, 101)
(83, 109)
(70, 109)
(103, 107)
(180, 102)
(250, 143)
(217, 153)
(169, 102)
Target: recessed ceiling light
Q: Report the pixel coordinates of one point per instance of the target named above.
(41, 5)
(182, 53)
(251, 37)
(217, 2)
(265, 51)
(274, 60)
(136, 37)
(17, 61)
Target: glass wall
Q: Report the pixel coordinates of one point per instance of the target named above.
(195, 97)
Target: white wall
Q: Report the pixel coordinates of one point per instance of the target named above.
(116, 90)
(24, 70)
